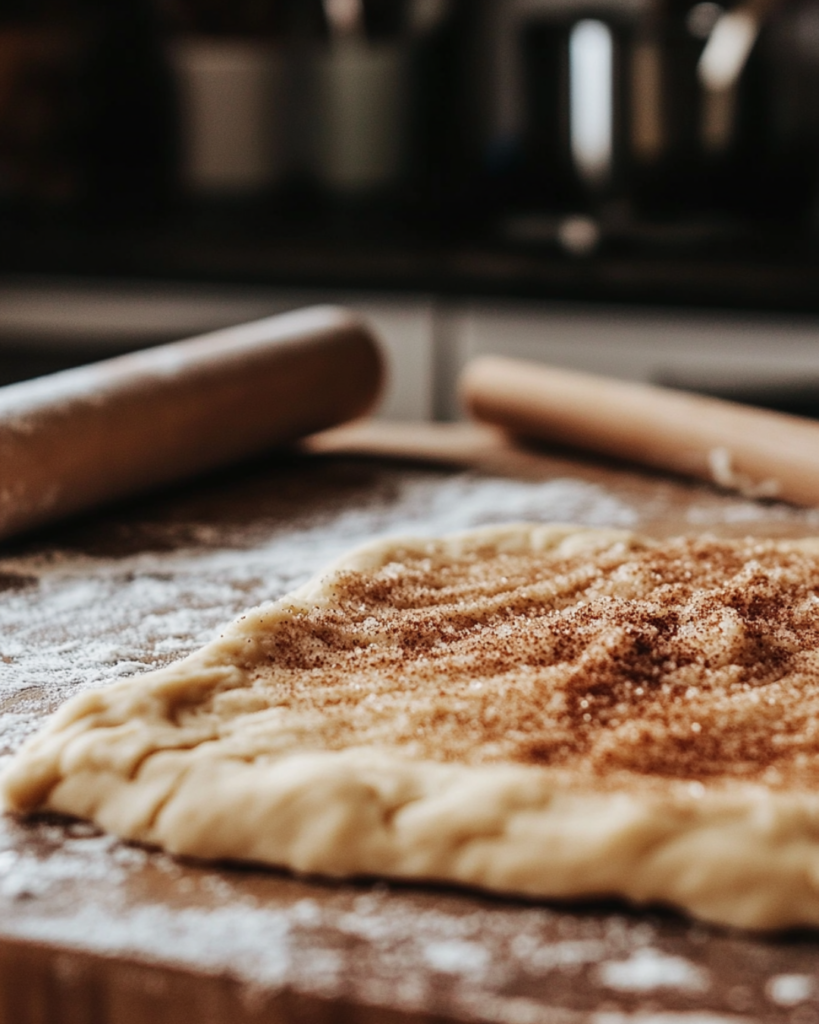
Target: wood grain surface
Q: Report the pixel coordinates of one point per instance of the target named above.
(93, 931)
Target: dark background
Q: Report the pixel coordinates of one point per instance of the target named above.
(458, 179)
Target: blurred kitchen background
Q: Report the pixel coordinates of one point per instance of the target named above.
(625, 186)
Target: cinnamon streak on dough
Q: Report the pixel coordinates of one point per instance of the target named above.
(541, 710)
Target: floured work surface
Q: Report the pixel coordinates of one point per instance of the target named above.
(138, 589)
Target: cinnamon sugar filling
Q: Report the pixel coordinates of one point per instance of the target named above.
(690, 659)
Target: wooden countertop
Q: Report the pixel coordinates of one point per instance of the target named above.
(93, 931)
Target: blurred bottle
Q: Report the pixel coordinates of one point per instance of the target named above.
(573, 58)
(665, 105)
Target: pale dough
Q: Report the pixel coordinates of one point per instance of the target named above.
(223, 755)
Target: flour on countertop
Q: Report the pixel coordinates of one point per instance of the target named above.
(791, 989)
(649, 969)
(72, 617)
(93, 620)
(355, 940)
(652, 1017)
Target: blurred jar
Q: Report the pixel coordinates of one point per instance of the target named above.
(231, 98)
(352, 113)
(361, 100)
(360, 119)
(231, 74)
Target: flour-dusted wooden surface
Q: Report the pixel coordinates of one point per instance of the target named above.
(93, 931)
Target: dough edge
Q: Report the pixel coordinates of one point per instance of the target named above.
(742, 855)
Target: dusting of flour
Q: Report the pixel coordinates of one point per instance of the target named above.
(77, 620)
(82, 613)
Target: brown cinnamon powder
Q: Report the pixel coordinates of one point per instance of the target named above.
(690, 659)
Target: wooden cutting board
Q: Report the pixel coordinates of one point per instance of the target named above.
(93, 931)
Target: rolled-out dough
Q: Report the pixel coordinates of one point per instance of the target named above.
(540, 710)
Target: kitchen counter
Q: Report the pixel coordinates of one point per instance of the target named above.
(94, 931)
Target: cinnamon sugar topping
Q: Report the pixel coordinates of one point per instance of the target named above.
(690, 659)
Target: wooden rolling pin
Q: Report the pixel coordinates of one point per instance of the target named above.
(75, 439)
(753, 451)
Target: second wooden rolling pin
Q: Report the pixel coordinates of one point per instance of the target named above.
(753, 451)
(81, 437)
